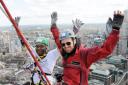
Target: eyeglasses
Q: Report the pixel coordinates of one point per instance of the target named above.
(67, 43)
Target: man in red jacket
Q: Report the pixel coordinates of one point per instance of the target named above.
(76, 58)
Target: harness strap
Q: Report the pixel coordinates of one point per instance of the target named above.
(72, 66)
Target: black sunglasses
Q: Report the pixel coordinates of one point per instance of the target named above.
(67, 43)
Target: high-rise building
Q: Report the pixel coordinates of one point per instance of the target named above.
(122, 46)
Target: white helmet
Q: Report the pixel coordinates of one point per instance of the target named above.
(67, 34)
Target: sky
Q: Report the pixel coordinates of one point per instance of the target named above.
(39, 11)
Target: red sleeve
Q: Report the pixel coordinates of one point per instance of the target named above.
(55, 33)
(96, 53)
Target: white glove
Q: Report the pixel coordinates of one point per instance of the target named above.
(76, 25)
(53, 18)
(29, 66)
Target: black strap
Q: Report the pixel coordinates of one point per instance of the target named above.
(48, 74)
(32, 78)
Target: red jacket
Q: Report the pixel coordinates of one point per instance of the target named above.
(76, 68)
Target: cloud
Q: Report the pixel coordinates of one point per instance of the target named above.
(87, 10)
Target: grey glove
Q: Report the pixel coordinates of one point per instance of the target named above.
(76, 25)
(17, 20)
(109, 26)
(117, 20)
(53, 18)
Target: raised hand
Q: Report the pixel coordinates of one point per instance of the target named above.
(53, 18)
(117, 20)
(76, 25)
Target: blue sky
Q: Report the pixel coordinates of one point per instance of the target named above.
(38, 11)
